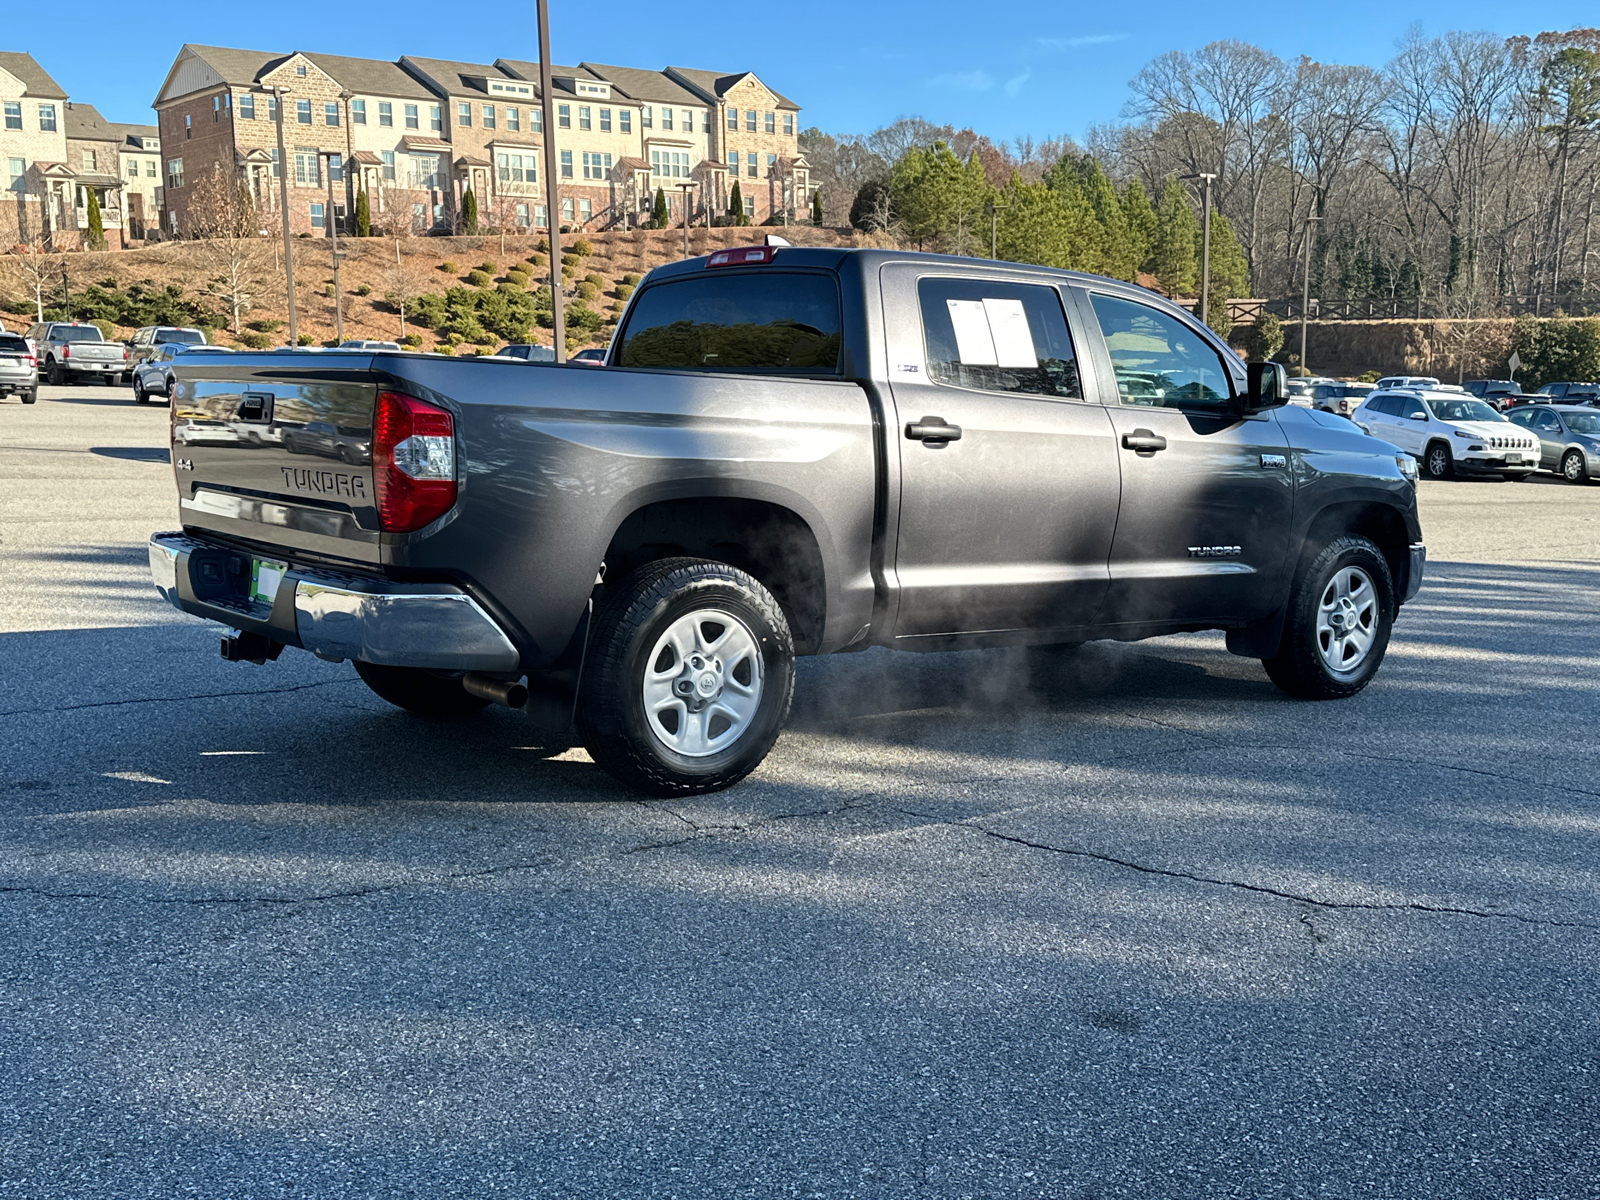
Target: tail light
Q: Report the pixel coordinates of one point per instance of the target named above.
(66, 351)
(413, 462)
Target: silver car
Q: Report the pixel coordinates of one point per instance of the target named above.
(19, 368)
(1569, 437)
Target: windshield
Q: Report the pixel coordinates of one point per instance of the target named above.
(187, 337)
(12, 344)
(1463, 410)
(76, 333)
(1582, 422)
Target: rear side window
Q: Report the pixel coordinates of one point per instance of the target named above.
(1157, 359)
(994, 336)
(764, 322)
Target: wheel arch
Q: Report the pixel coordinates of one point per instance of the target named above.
(1382, 524)
(766, 539)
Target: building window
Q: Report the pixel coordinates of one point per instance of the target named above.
(13, 114)
(541, 219)
(302, 112)
(149, 168)
(772, 161)
(216, 108)
(438, 214)
(425, 170)
(247, 106)
(788, 123)
(770, 122)
(275, 171)
(358, 112)
(514, 120)
(89, 162)
(564, 116)
(17, 168)
(174, 172)
(749, 206)
(133, 168)
(188, 124)
(605, 120)
(536, 120)
(330, 113)
(666, 117)
(749, 120)
(300, 69)
(585, 209)
(750, 166)
(596, 166)
(388, 163)
(688, 120)
(733, 120)
(435, 118)
(488, 116)
(385, 114)
(47, 118)
(411, 116)
(307, 168)
(624, 120)
(585, 121)
(419, 215)
(518, 168)
(566, 209)
(733, 163)
(335, 168)
(317, 221)
(464, 114)
(272, 108)
(669, 164)
(522, 214)
(646, 115)
(566, 164)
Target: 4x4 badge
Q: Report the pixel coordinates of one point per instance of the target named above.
(184, 464)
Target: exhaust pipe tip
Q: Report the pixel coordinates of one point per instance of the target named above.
(497, 691)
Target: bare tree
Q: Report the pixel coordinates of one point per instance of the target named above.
(402, 281)
(222, 218)
(34, 266)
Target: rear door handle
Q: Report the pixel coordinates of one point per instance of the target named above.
(932, 431)
(1144, 441)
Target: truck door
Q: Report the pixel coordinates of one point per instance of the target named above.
(1008, 470)
(1203, 531)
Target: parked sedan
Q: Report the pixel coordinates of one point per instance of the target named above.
(19, 369)
(152, 376)
(1449, 432)
(1569, 437)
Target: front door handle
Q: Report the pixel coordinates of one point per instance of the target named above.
(1144, 441)
(932, 431)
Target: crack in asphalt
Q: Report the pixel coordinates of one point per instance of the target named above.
(296, 687)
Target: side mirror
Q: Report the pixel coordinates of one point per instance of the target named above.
(1268, 388)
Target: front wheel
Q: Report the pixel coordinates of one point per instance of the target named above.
(1573, 467)
(1437, 462)
(419, 691)
(1341, 609)
(139, 394)
(688, 678)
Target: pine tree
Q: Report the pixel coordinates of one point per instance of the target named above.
(1172, 255)
(469, 212)
(816, 207)
(936, 195)
(1087, 236)
(97, 229)
(363, 215)
(1230, 273)
(658, 213)
(1119, 259)
(736, 205)
(1140, 221)
(1054, 227)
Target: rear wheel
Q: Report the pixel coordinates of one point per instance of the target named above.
(1573, 467)
(31, 396)
(1437, 462)
(422, 692)
(54, 375)
(688, 678)
(1341, 609)
(139, 396)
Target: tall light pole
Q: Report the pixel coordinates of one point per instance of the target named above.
(1205, 242)
(1305, 292)
(552, 210)
(277, 94)
(994, 227)
(332, 223)
(685, 189)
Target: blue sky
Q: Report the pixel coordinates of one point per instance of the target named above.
(1043, 69)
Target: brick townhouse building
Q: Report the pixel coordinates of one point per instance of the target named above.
(56, 152)
(418, 133)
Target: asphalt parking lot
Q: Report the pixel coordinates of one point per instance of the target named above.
(1140, 928)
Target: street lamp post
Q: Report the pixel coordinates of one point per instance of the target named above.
(1305, 292)
(1205, 242)
(685, 189)
(552, 212)
(994, 227)
(332, 222)
(277, 94)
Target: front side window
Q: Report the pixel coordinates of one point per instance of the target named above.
(386, 114)
(1463, 410)
(762, 321)
(1158, 360)
(47, 118)
(994, 336)
(358, 112)
(13, 114)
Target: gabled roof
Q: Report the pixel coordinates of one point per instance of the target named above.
(713, 84)
(447, 78)
(199, 68)
(649, 86)
(528, 72)
(126, 133)
(83, 123)
(371, 76)
(34, 77)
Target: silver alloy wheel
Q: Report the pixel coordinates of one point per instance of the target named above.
(702, 683)
(1438, 461)
(1572, 467)
(1347, 620)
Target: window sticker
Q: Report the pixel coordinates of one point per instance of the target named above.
(1008, 328)
(974, 343)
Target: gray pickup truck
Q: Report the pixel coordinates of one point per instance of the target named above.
(72, 350)
(789, 451)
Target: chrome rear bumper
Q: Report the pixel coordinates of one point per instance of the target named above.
(333, 614)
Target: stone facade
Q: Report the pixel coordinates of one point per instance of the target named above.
(33, 155)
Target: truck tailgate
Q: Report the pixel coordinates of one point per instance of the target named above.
(277, 448)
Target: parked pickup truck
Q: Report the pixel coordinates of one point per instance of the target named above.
(789, 451)
(73, 350)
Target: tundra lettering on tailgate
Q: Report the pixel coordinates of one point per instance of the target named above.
(325, 483)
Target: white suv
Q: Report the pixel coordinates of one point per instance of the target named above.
(1449, 432)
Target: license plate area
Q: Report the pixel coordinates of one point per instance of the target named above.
(266, 575)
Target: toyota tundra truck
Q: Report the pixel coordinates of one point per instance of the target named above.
(788, 451)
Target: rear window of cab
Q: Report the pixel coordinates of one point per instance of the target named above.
(752, 322)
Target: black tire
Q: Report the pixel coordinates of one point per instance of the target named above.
(53, 375)
(1299, 667)
(612, 723)
(31, 396)
(1437, 462)
(1573, 467)
(139, 396)
(422, 692)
